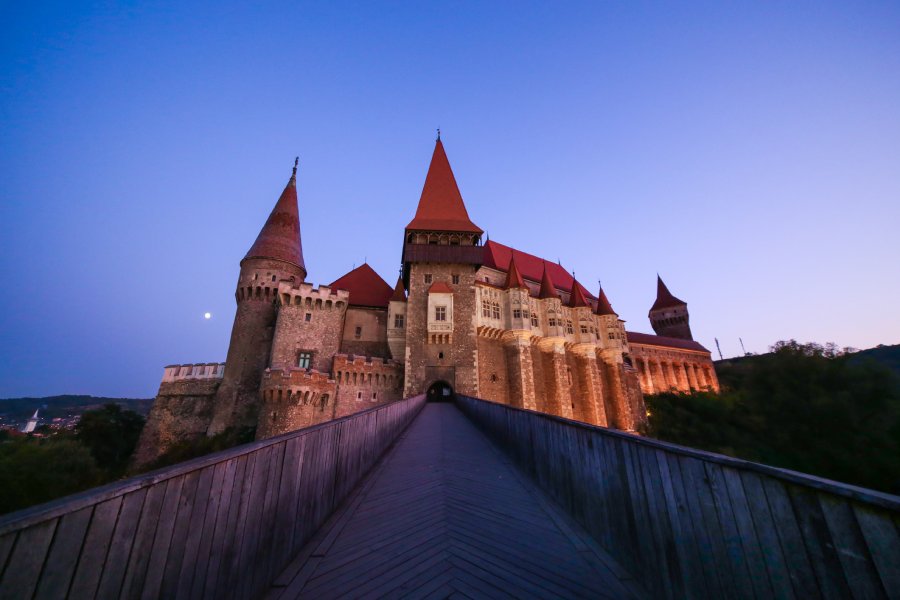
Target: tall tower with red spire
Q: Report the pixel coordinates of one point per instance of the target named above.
(441, 253)
(669, 315)
(276, 255)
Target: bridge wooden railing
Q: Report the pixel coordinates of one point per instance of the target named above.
(692, 524)
(220, 526)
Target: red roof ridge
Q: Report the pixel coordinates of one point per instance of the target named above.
(439, 287)
(664, 298)
(441, 206)
(531, 267)
(513, 277)
(399, 293)
(279, 238)
(366, 287)
(548, 290)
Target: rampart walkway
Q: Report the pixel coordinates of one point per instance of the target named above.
(445, 512)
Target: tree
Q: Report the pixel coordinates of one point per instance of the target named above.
(111, 435)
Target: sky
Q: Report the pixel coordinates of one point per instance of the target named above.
(747, 152)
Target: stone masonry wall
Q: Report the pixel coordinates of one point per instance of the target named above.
(365, 382)
(309, 320)
(493, 376)
(181, 411)
(372, 340)
(424, 364)
(293, 399)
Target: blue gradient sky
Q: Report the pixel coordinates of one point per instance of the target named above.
(748, 153)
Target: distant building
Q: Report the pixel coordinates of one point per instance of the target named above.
(32, 423)
(485, 320)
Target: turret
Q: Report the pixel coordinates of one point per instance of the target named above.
(441, 253)
(669, 315)
(275, 256)
(396, 325)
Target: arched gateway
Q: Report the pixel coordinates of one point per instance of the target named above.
(440, 391)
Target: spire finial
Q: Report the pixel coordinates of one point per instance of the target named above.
(296, 162)
(438, 134)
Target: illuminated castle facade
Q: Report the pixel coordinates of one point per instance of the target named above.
(484, 320)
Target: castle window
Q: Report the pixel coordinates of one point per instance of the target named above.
(374, 396)
(358, 333)
(493, 377)
(584, 329)
(304, 359)
(552, 322)
(486, 309)
(455, 278)
(359, 395)
(534, 320)
(273, 278)
(440, 356)
(256, 276)
(427, 277)
(517, 314)
(495, 310)
(569, 327)
(440, 313)
(308, 317)
(612, 336)
(398, 321)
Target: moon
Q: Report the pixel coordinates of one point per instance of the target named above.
(207, 315)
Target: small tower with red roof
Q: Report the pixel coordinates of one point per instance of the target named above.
(669, 315)
(275, 256)
(396, 322)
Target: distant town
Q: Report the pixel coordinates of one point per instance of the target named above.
(46, 416)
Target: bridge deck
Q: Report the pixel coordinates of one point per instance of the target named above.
(444, 514)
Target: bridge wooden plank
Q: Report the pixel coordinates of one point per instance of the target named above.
(143, 541)
(63, 555)
(265, 568)
(26, 560)
(161, 541)
(191, 582)
(182, 527)
(196, 523)
(731, 536)
(883, 541)
(226, 525)
(229, 570)
(859, 569)
(95, 549)
(803, 578)
(764, 525)
(288, 496)
(120, 547)
(817, 539)
(687, 534)
(6, 545)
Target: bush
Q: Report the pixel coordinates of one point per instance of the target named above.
(202, 445)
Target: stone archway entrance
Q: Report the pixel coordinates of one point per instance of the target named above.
(440, 391)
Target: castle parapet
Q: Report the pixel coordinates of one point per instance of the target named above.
(193, 371)
(304, 294)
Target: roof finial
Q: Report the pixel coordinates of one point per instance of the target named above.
(296, 162)
(439, 134)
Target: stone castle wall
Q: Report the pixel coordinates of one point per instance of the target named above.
(365, 332)
(365, 382)
(294, 398)
(310, 320)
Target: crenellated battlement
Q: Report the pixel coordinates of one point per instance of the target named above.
(305, 295)
(193, 371)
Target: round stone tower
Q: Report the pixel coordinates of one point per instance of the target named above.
(669, 315)
(277, 255)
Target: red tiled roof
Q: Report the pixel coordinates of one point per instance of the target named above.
(513, 277)
(659, 340)
(366, 287)
(280, 236)
(439, 287)
(603, 305)
(441, 206)
(577, 298)
(399, 294)
(664, 298)
(531, 267)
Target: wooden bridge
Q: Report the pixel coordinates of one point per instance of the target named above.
(469, 499)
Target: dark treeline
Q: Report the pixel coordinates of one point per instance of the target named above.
(805, 407)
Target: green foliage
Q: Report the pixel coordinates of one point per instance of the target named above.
(34, 471)
(805, 407)
(202, 445)
(111, 435)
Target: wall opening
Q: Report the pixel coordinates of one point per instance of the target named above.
(440, 391)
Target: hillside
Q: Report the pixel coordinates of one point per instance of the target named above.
(803, 407)
(18, 410)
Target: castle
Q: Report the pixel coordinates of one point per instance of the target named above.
(484, 320)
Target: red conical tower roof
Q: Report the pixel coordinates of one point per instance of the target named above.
(603, 305)
(399, 293)
(513, 277)
(576, 298)
(664, 298)
(548, 290)
(441, 206)
(280, 236)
